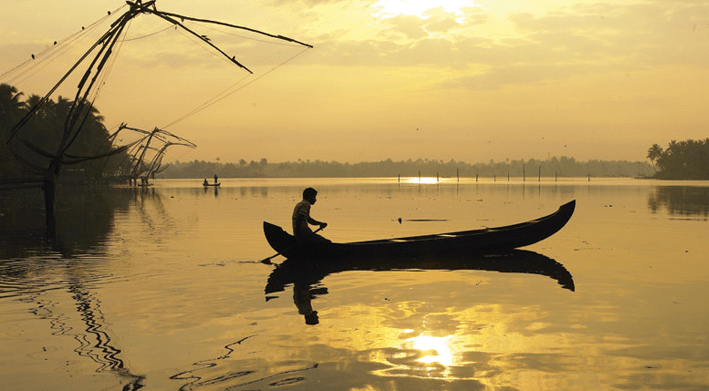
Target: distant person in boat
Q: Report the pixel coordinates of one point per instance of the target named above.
(215, 178)
(205, 183)
(301, 218)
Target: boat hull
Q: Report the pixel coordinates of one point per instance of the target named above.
(462, 242)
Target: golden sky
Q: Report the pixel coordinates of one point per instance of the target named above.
(464, 80)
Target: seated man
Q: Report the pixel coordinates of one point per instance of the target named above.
(301, 218)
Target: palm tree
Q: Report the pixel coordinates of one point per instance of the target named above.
(654, 154)
(12, 108)
(40, 130)
(36, 145)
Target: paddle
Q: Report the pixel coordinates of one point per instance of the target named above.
(267, 261)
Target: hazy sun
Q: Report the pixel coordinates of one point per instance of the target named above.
(391, 8)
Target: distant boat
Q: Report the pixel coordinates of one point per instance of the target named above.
(206, 184)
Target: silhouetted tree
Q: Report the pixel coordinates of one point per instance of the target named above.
(12, 108)
(683, 160)
(34, 147)
(654, 153)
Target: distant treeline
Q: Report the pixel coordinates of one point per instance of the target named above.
(562, 167)
(681, 160)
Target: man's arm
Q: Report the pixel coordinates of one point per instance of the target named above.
(315, 222)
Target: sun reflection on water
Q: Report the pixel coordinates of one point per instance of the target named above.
(423, 180)
(435, 349)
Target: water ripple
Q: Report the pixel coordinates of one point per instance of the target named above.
(38, 275)
(218, 371)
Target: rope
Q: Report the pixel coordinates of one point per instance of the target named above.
(224, 94)
(57, 50)
(147, 35)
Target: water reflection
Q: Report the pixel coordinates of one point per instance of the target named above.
(211, 372)
(67, 256)
(94, 341)
(83, 218)
(214, 189)
(131, 298)
(97, 343)
(306, 275)
(681, 200)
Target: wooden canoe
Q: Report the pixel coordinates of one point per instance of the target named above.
(485, 240)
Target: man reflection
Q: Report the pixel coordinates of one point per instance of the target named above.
(302, 297)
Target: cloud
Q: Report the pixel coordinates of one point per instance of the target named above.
(583, 40)
(498, 77)
(435, 21)
(567, 41)
(441, 23)
(408, 26)
(316, 3)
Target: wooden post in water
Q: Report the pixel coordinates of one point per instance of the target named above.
(539, 177)
(476, 177)
(457, 174)
(589, 176)
(49, 187)
(508, 175)
(524, 173)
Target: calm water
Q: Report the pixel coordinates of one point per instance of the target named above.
(164, 289)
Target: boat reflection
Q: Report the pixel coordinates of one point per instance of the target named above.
(305, 274)
(214, 188)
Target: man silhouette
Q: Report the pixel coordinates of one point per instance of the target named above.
(302, 219)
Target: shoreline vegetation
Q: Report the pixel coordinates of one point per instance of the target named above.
(93, 158)
(554, 167)
(687, 159)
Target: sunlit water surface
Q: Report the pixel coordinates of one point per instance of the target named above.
(162, 288)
